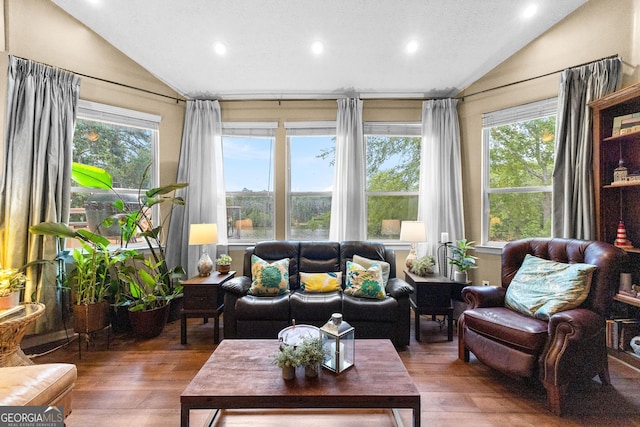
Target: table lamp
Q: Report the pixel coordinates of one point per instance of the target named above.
(203, 234)
(412, 231)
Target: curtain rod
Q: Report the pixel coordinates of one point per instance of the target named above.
(109, 81)
(534, 78)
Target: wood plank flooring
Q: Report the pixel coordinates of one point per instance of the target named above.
(138, 383)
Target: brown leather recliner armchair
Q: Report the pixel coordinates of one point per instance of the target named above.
(567, 347)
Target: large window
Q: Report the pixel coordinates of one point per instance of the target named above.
(393, 172)
(518, 145)
(124, 143)
(248, 174)
(311, 154)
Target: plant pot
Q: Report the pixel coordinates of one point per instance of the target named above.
(149, 323)
(460, 276)
(90, 317)
(10, 301)
(120, 321)
(224, 268)
(175, 308)
(311, 371)
(289, 372)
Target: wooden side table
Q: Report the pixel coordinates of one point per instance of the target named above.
(203, 299)
(432, 296)
(12, 329)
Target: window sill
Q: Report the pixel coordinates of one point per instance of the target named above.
(493, 249)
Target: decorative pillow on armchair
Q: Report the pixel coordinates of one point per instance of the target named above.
(321, 282)
(542, 288)
(364, 282)
(269, 279)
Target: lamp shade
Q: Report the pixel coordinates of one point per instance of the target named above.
(203, 234)
(412, 231)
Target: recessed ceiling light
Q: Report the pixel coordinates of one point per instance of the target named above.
(220, 48)
(317, 47)
(530, 11)
(412, 46)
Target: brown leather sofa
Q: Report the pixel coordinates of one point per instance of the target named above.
(248, 316)
(569, 346)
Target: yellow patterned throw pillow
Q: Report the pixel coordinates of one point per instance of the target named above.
(320, 282)
(269, 279)
(364, 282)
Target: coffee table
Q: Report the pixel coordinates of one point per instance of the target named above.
(240, 375)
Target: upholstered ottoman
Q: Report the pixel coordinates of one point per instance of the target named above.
(49, 384)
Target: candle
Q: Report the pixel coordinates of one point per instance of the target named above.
(340, 364)
(444, 237)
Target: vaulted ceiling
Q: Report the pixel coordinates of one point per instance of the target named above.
(370, 48)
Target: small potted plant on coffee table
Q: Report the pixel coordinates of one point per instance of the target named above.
(287, 358)
(312, 353)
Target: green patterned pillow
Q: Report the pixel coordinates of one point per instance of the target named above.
(269, 278)
(320, 282)
(542, 288)
(364, 282)
(366, 263)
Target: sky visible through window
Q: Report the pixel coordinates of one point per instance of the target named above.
(249, 165)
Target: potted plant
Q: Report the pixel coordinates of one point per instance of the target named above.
(90, 276)
(12, 281)
(312, 352)
(287, 358)
(224, 263)
(462, 260)
(134, 220)
(423, 266)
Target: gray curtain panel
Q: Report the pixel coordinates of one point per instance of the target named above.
(573, 196)
(440, 195)
(41, 114)
(348, 200)
(200, 166)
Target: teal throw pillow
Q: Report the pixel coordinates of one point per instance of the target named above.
(364, 282)
(366, 263)
(269, 279)
(542, 288)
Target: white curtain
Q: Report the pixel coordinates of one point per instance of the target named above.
(200, 166)
(573, 196)
(348, 202)
(36, 184)
(440, 195)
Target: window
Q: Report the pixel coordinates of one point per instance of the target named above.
(393, 172)
(518, 146)
(311, 154)
(124, 143)
(248, 156)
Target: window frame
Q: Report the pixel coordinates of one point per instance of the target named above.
(119, 116)
(253, 130)
(303, 129)
(519, 113)
(390, 129)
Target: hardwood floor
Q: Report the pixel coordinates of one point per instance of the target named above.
(138, 383)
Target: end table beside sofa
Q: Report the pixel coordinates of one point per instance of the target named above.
(249, 316)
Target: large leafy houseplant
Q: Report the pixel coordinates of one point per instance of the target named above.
(143, 287)
(461, 259)
(151, 285)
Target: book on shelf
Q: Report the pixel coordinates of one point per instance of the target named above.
(619, 333)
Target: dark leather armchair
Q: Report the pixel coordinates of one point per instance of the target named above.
(567, 347)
